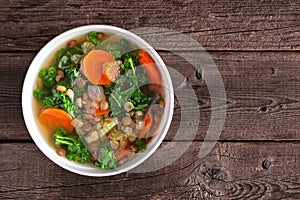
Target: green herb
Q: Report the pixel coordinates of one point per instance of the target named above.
(59, 54)
(48, 76)
(40, 94)
(71, 73)
(75, 149)
(63, 56)
(118, 49)
(127, 88)
(130, 58)
(106, 158)
(75, 50)
(92, 37)
(59, 100)
(141, 145)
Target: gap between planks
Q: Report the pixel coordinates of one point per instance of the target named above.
(169, 141)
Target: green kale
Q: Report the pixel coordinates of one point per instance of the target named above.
(118, 49)
(130, 58)
(40, 94)
(64, 56)
(127, 88)
(139, 100)
(141, 145)
(59, 100)
(75, 50)
(106, 158)
(48, 76)
(59, 54)
(109, 89)
(75, 149)
(92, 37)
(71, 73)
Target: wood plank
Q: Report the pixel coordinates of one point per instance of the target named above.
(216, 25)
(230, 171)
(262, 95)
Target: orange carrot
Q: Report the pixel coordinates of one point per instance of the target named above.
(55, 118)
(95, 69)
(147, 126)
(99, 112)
(150, 67)
(121, 153)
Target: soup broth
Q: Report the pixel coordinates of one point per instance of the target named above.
(99, 100)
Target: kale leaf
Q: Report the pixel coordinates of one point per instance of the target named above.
(106, 158)
(40, 94)
(130, 58)
(75, 149)
(92, 37)
(119, 49)
(127, 88)
(48, 76)
(59, 100)
(141, 145)
(71, 73)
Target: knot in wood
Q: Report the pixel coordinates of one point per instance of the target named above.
(215, 175)
(266, 164)
(198, 73)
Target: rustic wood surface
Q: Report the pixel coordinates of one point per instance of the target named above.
(255, 45)
(231, 171)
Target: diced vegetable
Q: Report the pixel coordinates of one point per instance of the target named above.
(99, 112)
(87, 46)
(55, 118)
(91, 137)
(95, 69)
(103, 131)
(150, 67)
(121, 153)
(147, 126)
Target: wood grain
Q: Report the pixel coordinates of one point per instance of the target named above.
(230, 171)
(262, 91)
(255, 45)
(216, 25)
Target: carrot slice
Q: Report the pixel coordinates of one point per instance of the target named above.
(147, 126)
(55, 118)
(95, 69)
(99, 112)
(121, 153)
(150, 67)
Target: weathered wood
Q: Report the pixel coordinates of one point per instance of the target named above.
(216, 25)
(230, 171)
(255, 45)
(262, 94)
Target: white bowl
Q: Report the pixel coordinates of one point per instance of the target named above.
(30, 112)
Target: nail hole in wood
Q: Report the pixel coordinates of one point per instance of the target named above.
(264, 109)
(266, 164)
(199, 74)
(273, 71)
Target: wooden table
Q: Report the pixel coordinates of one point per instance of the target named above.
(255, 45)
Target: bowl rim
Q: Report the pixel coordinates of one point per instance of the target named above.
(29, 81)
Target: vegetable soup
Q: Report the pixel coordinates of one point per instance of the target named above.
(100, 99)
